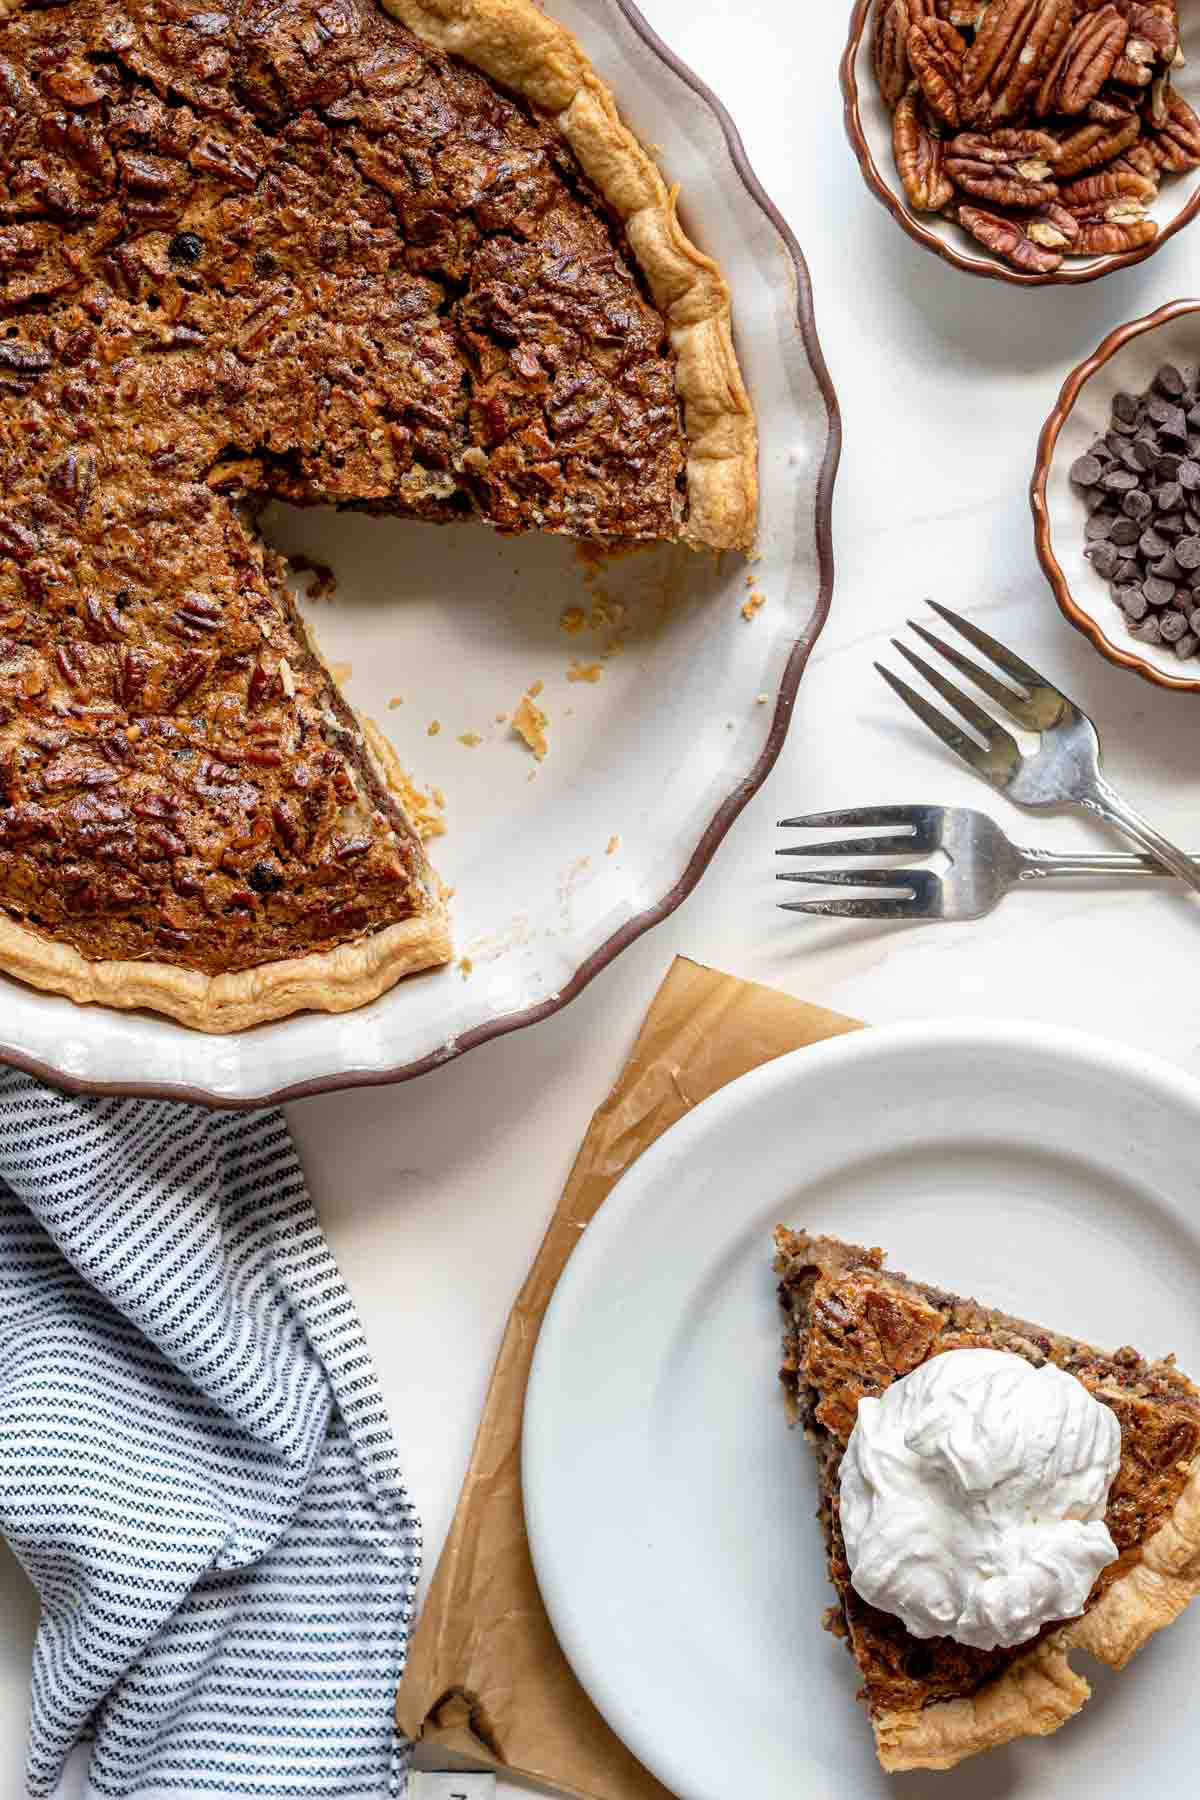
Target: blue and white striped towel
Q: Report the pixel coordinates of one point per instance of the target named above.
(196, 1468)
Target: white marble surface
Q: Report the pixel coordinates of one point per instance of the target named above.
(435, 1195)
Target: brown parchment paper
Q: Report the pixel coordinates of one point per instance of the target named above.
(485, 1675)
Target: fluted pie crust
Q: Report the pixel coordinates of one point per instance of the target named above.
(540, 62)
(888, 1329)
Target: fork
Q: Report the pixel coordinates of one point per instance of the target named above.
(984, 863)
(1064, 770)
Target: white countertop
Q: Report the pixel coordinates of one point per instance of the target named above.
(435, 1194)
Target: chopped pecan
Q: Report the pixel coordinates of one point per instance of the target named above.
(1092, 145)
(1009, 239)
(1100, 238)
(936, 52)
(69, 666)
(104, 623)
(187, 674)
(1109, 109)
(1084, 64)
(919, 158)
(1135, 66)
(1176, 145)
(23, 359)
(72, 479)
(966, 14)
(1017, 42)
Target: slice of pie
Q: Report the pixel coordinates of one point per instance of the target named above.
(297, 249)
(851, 1328)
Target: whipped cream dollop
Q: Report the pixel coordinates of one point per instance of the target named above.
(973, 1496)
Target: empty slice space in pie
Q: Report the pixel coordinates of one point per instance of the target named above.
(409, 264)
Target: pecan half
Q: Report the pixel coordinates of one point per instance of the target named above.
(1100, 238)
(1092, 145)
(1110, 184)
(1135, 66)
(1085, 62)
(1017, 42)
(919, 158)
(1009, 239)
(893, 20)
(1053, 227)
(935, 53)
(1176, 145)
(1011, 174)
(965, 14)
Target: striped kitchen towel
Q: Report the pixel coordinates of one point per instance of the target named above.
(196, 1467)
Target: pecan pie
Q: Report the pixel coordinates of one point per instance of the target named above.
(851, 1328)
(303, 249)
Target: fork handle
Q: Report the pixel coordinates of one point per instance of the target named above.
(1044, 864)
(1105, 801)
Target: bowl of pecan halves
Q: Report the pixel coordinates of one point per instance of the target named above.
(1031, 140)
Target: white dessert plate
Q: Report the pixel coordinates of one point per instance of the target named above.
(671, 1510)
(556, 866)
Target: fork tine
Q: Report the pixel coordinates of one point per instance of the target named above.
(896, 843)
(989, 729)
(1017, 706)
(852, 909)
(858, 815)
(884, 878)
(951, 734)
(1000, 654)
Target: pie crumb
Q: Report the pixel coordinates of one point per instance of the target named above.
(395, 701)
(465, 966)
(761, 699)
(529, 722)
(613, 845)
(573, 619)
(470, 739)
(502, 718)
(342, 672)
(535, 689)
(439, 798)
(585, 671)
(754, 604)
(433, 727)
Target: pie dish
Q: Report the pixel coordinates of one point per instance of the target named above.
(235, 272)
(851, 1328)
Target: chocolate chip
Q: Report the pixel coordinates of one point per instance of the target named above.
(1168, 568)
(1187, 552)
(1128, 571)
(1142, 454)
(1194, 621)
(1104, 559)
(1086, 471)
(1147, 632)
(1158, 593)
(1151, 545)
(1099, 526)
(1175, 424)
(1132, 601)
(1167, 466)
(1169, 497)
(1172, 625)
(1120, 531)
(185, 247)
(1188, 475)
(1100, 451)
(1170, 382)
(1125, 406)
(1118, 481)
(1137, 505)
(1186, 645)
(1170, 524)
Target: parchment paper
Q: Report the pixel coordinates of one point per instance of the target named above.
(485, 1676)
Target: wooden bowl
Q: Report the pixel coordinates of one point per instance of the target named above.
(869, 128)
(1125, 362)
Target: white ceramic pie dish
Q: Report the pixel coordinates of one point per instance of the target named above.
(1126, 362)
(671, 1511)
(556, 866)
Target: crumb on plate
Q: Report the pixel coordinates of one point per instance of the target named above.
(433, 727)
(529, 722)
(470, 738)
(613, 845)
(573, 619)
(585, 671)
(753, 605)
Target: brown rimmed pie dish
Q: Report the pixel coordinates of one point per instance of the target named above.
(546, 904)
(869, 128)
(1125, 362)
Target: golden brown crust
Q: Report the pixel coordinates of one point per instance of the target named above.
(332, 981)
(540, 60)
(1040, 1691)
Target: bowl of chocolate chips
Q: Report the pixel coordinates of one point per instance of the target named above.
(1116, 496)
(1033, 141)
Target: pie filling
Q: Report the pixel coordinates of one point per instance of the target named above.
(850, 1329)
(279, 248)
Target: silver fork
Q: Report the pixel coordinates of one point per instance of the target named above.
(1064, 770)
(984, 863)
